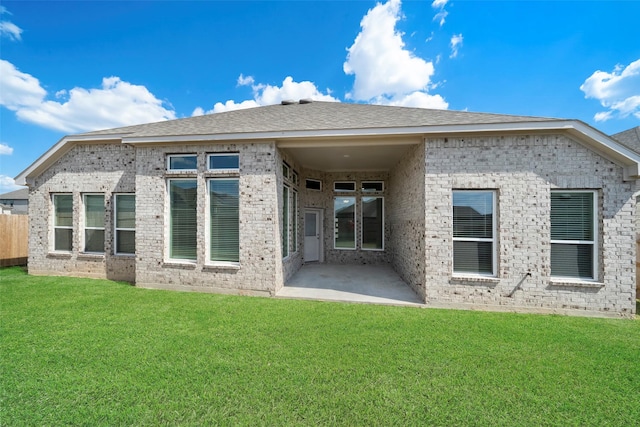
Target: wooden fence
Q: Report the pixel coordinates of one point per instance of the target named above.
(14, 240)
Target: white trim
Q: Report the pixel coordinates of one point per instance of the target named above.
(368, 191)
(362, 223)
(167, 239)
(587, 135)
(52, 241)
(493, 240)
(207, 224)
(115, 224)
(594, 244)
(170, 156)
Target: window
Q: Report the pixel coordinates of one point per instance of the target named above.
(372, 223)
(344, 186)
(224, 162)
(313, 184)
(286, 170)
(474, 231)
(224, 220)
(124, 224)
(182, 162)
(183, 218)
(294, 178)
(94, 223)
(344, 210)
(372, 186)
(573, 234)
(294, 221)
(285, 221)
(62, 222)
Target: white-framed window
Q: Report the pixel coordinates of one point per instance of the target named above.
(124, 224)
(474, 232)
(94, 223)
(294, 221)
(372, 186)
(182, 162)
(372, 215)
(62, 222)
(223, 162)
(224, 220)
(294, 178)
(313, 184)
(344, 186)
(285, 220)
(574, 234)
(286, 170)
(344, 217)
(183, 218)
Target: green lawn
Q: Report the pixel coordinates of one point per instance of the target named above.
(95, 352)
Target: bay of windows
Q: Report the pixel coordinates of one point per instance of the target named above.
(573, 234)
(474, 232)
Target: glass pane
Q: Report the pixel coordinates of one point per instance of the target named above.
(310, 224)
(375, 186)
(62, 239)
(63, 204)
(94, 210)
(125, 242)
(344, 186)
(313, 184)
(473, 214)
(285, 221)
(572, 260)
(224, 161)
(224, 214)
(294, 221)
(372, 230)
(187, 162)
(571, 216)
(93, 240)
(473, 257)
(183, 201)
(125, 211)
(345, 221)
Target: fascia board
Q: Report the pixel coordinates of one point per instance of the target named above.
(58, 150)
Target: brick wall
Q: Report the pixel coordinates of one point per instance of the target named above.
(523, 170)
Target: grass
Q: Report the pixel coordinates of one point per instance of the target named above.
(95, 352)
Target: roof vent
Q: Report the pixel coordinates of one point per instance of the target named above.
(288, 102)
(306, 101)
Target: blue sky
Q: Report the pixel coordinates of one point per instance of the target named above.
(75, 66)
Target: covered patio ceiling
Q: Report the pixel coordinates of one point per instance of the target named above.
(348, 155)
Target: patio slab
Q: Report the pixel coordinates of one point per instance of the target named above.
(374, 284)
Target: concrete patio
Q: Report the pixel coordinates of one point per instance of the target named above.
(374, 284)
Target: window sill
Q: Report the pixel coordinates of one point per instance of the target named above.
(124, 255)
(181, 174)
(91, 256)
(474, 280)
(222, 172)
(221, 266)
(575, 283)
(60, 255)
(185, 265)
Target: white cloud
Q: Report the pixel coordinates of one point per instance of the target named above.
(8, 184)
(442, 14)
(9, 29)
(618, 91)
(116, 103)
(385, 72)
(265, 94)
(5, 149)
(456, 42)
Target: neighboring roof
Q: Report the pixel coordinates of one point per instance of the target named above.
(311, 116)
(296, 123)
(21, 194)
(630, 138)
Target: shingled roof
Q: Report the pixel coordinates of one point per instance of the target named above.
(630, 138)
(312, 116)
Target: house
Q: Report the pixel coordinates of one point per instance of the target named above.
(15, 202)
(471, 209)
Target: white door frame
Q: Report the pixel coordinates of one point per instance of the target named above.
(320, 227)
